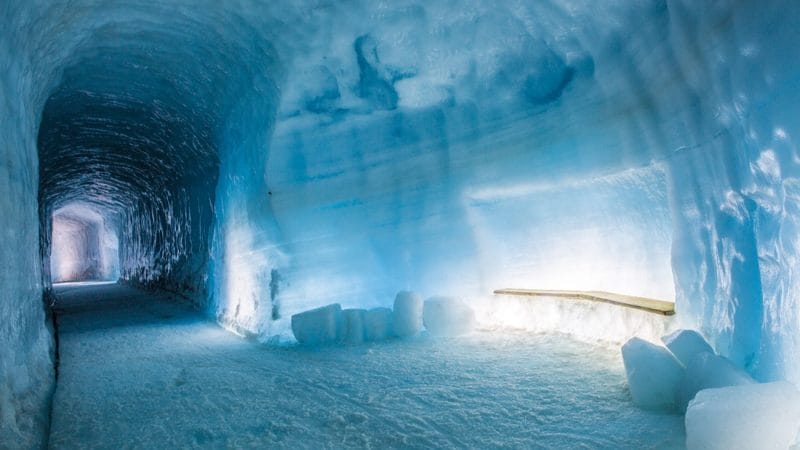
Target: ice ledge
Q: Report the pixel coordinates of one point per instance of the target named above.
(646, 304)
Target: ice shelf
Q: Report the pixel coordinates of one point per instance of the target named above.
(646, 304)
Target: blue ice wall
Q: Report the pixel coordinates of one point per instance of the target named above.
(401, 144)
(125, 106)
(243, 275)
(26, 344)
(268, 157)
(135, 125)
(420, 149)
(540, 144)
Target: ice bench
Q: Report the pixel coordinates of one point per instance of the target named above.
(646, 304)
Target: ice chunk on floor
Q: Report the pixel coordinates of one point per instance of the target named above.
(654, 374)
(318, 326)
(378, 324)
(353, 326)
(706, 371)
(685, 344)
(754, 416)
(447, 316)
(407, 317)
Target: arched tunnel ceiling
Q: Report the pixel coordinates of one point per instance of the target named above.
(139, 111)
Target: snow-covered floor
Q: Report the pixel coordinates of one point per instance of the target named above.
(140, 370)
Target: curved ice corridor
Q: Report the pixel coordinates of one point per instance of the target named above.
(260, 159)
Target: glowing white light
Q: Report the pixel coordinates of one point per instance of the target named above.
(577, 235)
(83, 246)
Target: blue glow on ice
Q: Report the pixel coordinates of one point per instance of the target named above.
(83, 246)
(266, 158)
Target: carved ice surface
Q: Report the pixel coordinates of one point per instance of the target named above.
(705, 371)
(653, 374)
(407, 314)
(686, 344)
(267, 158)
(322, 325)
(378, 324)
(763, 416)
(353, 326)
(447, 316)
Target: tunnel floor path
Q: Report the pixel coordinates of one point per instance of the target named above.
(144, 370)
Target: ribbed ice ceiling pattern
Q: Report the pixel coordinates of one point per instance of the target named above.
(134, 127)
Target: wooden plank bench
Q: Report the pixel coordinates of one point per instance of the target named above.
(646, 304)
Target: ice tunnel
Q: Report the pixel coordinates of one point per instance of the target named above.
(266, 158)
(83, 246)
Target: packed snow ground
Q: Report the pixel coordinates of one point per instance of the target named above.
(143, 370)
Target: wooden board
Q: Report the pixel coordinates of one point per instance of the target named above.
(646, 304)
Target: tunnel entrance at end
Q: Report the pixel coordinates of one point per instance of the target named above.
(85, 247)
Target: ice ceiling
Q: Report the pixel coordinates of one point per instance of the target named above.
(268, 157)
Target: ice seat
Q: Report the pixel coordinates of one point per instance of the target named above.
(447, 316)
(754, 416)
(685, 344)
(653, 373)
(352, 331)
(318, 326)
(706, 371)
(407, 316)
(378, 324)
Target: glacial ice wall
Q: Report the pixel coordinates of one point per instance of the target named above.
(645, 149)
(405, 141)
(269, 157)
(453, 150)
(691, 113)
(26, 343)
(733, 174)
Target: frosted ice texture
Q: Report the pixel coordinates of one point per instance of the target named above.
(353, 326)
(707, 370)
(447, 316)
(267, 158)
(407, 314)
(653, 373)
(378, 324)
(686, 344)
(756, 416)
(431, 153)
(321, 326)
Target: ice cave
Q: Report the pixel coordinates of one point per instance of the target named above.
(403, 224)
